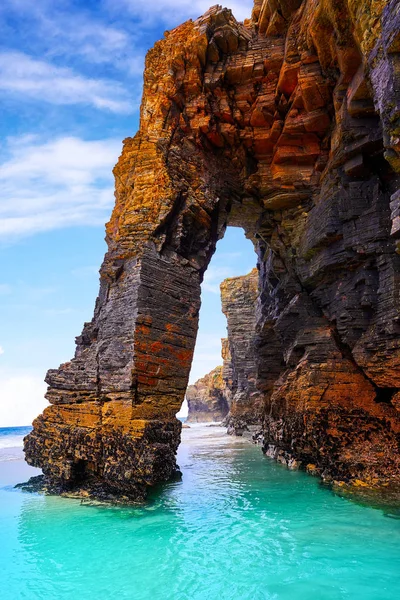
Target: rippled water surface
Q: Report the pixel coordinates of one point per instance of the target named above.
(237, 527)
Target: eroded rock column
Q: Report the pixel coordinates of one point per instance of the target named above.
(239, 296)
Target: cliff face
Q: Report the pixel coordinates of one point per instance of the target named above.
(232, 388)
(208, 398)
(239, 296)
(287, 125)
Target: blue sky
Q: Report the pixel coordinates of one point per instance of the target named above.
(70, 88)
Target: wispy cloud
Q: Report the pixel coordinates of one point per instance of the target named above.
(56, 312)
(93, 41)
(54, 184)
(174, 11)
(30, 294)
(24, 76)
(35, 293)
(87, 271)
(207, 355)
(208, 341)
(77, 36)
(1, 350)
(21, 397)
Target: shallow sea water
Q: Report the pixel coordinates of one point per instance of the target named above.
(237, 527)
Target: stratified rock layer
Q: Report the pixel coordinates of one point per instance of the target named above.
(232, 388)
(239, 296)
(207, 398)
(287, 125)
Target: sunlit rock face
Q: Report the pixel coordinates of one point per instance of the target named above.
(287, 125)
(208, 398)
(231, 390)
(239, 296)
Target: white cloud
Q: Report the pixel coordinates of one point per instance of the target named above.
(54, 184)
(176, 11)
(184, 409)
(93, 41)
(229, 255)
(21, 397)
(205, 341)
(56, 312)
(96, 44)
(22, 75)
(30, 294)
(203, 364)
(1, 350)
(61, 29)
(207, 355)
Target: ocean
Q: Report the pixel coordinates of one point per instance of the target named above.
(11, 442)
(11, 437)
(237, 527)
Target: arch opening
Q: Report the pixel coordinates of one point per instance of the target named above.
(248, 125)
(224, 330)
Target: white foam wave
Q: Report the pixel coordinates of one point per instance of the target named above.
(11, 441)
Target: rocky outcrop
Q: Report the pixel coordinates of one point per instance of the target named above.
(286, 125)
(239, 296)
(232, 388)
(208, 398)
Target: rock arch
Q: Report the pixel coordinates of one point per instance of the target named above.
(282, 125)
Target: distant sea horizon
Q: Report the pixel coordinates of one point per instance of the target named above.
(12, 437)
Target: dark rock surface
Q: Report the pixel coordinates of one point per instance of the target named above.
(239, 296)
(287, 125)
(232, 388)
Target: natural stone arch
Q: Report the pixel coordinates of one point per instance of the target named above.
(263, 125)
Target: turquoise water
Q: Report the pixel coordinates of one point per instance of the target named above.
(238, 527)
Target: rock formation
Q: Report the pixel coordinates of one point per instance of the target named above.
(207, 398)
(286, 125)
(239, 296)
(232, 387)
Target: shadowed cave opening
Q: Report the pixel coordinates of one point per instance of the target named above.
(233, 259)
(81, 471)
(385, 395)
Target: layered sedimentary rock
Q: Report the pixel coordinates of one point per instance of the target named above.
(287, 125)
(208, 398)
(239, 296)
(232, 388)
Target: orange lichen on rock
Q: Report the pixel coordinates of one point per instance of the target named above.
(286, 125)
